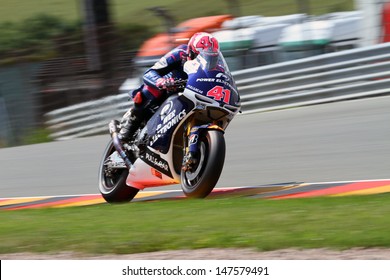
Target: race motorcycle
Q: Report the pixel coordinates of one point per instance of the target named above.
(183, 142)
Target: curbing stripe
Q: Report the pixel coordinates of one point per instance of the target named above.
(273, 191)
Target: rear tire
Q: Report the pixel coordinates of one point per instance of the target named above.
(113, 187)
(199, 182)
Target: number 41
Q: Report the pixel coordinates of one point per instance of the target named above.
(219, 93)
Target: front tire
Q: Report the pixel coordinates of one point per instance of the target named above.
(199, 182)
(112, 183)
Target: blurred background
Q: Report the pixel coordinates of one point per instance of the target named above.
(60, 53)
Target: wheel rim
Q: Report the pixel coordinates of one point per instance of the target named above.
(108, 184)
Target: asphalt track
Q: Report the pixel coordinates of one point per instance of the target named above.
(347, 143)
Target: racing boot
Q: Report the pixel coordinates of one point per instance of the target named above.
(130, 123)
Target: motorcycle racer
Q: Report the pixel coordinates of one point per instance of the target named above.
(183, 141)
(158, 81)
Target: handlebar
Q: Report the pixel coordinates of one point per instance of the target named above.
(178, 84)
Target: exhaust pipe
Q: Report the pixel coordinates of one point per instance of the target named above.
(113, 127)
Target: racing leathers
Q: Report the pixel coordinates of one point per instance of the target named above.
(156, 87)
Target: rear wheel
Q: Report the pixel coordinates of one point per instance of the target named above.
(202, 178)
(112, 181)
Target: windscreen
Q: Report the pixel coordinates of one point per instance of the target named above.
(209, 75)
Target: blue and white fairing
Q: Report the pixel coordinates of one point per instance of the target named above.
(164, 122)
(209, 76)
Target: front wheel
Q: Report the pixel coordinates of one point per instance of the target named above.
(201, 180)
(112, 181)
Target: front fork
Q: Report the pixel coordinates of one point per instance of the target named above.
(192, 135)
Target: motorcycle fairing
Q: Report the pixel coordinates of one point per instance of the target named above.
(167, 118)
(215, 85)
(154, 165)
(212, 78)
(142, 175)
(155, 161)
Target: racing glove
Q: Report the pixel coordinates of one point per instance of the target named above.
(166, 83)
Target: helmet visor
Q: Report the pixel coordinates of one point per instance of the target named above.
(209, 59)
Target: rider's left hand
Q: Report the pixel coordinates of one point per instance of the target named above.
(166, 83)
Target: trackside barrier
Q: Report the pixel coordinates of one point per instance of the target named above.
(86, 119)
(357, 73)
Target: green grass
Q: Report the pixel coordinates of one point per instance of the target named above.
(338, 223)
(125, 11)
(39, 135)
